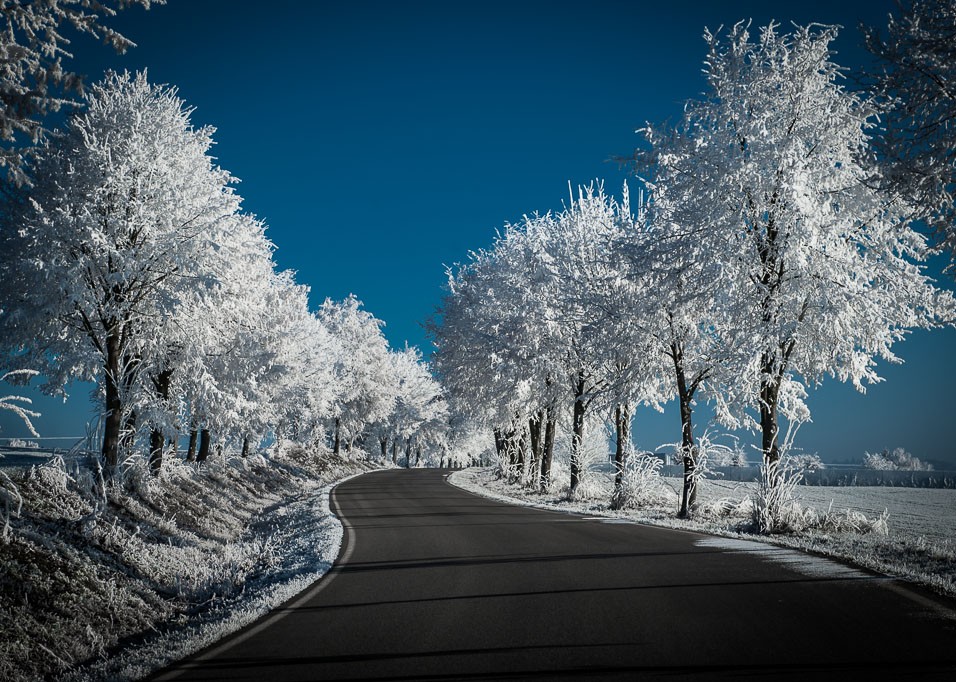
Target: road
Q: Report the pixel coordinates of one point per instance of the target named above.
(434, 583)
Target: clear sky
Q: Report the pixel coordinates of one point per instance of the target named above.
(381, 141)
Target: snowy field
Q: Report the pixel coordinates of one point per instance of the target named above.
(919, 545)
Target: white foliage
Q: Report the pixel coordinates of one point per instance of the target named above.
(33, 79)
(914, 83)
(642, 485)
(766, 181)
(897, 460)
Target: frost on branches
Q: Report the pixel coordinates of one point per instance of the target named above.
(124, 204)
(767, 258)
(916, 88)
(130, 264)
(33, 80)
(818, 269)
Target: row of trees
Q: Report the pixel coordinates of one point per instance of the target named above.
(776, 248)
(127, 261)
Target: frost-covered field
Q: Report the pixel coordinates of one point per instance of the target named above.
(114, 587)
(920, 545)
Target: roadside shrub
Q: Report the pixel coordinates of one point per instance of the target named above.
(775, 508)
(642, 485)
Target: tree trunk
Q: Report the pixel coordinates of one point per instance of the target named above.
(383, 443)
(337, 443)
(521, 458)
(547, 453)
(245, 446)
(535, 428)
(769, 398)
(156, 443)
(191, 451)
(408, 452)
(622, 429)
(112, 424)
(500, 446)
(685, 397)
(395, 451)
(161, 383)
(204, 441)
(418, 456)
(577, 436)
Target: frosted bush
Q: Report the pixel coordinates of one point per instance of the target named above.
(53, 491)
(52, 473)
(504, 468)
(590, 486)
(897, 460)
(642, 485)
(845, 521)
(725, 507)
(775, 508)
(806, 463)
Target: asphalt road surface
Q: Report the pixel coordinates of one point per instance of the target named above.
(434, 583)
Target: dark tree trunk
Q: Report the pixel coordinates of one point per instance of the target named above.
(521, 445)
(161, 383)
(337, 442)
(535, 432)
(769, 398)
(156, 444)
(113, 422)
(500, 444)
(204, 442)
(418, 456)
(383, 443)
(685, 396)
(245, 446)
(408, 452)
(577, 432)
(622, 429)
(547, 453)
(395, 451)
(191, 450)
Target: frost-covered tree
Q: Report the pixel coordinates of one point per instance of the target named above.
(419, 415)
(207, 353)
(916, 84)
(127, 201)
(819, 270)
(33, 79)
(681, 290)
(602, 348)
(492, 338)
(362, 395)
(537, 327)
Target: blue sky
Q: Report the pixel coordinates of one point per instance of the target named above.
(381, 141)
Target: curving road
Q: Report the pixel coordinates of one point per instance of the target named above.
(434, 583)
